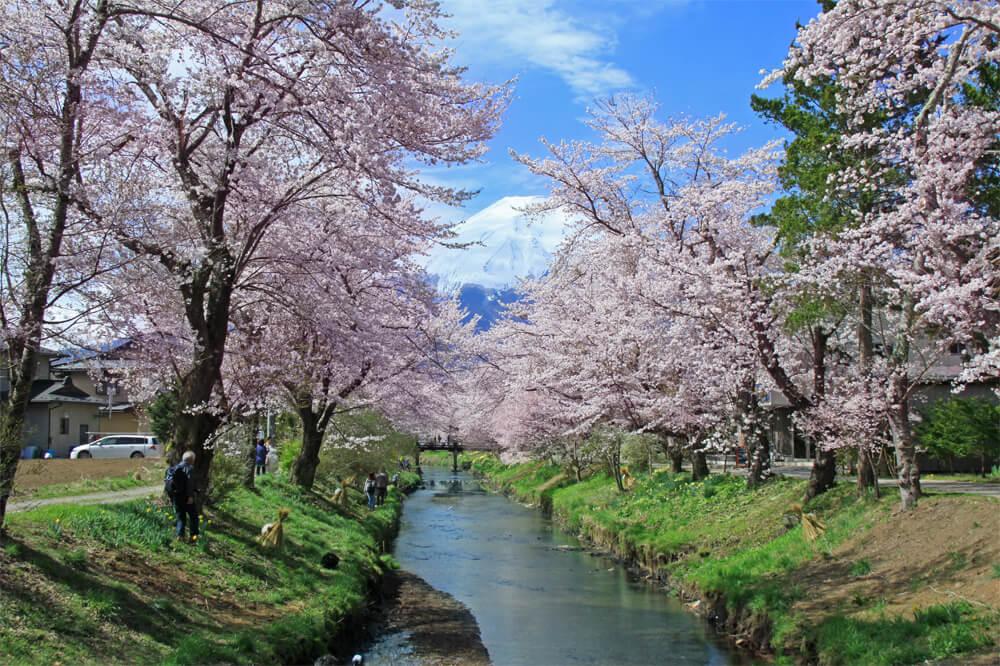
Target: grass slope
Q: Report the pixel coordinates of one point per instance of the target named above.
(760, 578)
(107, 584)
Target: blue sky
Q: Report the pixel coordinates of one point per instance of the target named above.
(696, 57)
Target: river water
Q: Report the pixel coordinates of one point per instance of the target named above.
(537, 600)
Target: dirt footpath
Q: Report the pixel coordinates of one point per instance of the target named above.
(33, 474)
(441, 629)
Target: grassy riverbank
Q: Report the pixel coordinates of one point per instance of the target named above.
(878, 587)
(105, 584)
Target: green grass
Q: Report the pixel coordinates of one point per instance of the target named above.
(860, 568)
(722, 540)
(100, 584)
(935, 632)
(965, 478)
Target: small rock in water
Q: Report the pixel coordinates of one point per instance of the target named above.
(357, 660)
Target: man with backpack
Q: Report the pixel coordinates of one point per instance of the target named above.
(381, 487)
(179, 487)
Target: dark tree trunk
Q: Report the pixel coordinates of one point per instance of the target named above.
(314, 424)
(316, 415)
(902, 438)
(615, 466)
(899, 414)
(699, 465)
(195, 430)
(760, 459)
(866, 474)
(823, 475)
(12, 413)
(250, 468)
(867, 477)
(676, 462)
(305, 465)
(824, 469)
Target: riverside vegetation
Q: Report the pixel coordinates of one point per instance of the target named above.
(100, 584)
(876, 588)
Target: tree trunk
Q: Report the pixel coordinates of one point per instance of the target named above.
(824, 468)
(753, 435)
(699, 465)
(250, 469)
(615, 466)
(867, 472)
(823, 475)
(902, 439)
(673, 450)
(12, 413)
(306, 463)
(760, 458)
(195, 429)
(866, 350)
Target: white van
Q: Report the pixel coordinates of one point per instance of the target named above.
(119, 446)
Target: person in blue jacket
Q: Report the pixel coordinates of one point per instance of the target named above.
(261, 458)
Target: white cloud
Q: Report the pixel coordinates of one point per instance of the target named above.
(505, 245)
(536, 32)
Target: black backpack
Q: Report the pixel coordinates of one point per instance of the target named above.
(169, 485)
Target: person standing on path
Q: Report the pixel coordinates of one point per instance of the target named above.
(261, 458)
(182, 491)
(381, 486)
(370, 489)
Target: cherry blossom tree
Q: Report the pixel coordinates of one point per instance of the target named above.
(57, 130)
(249, 117)
(688, 210)
(936, 247)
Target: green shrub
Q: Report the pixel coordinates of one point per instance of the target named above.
(961, 427)
(861, 568)
(76, 558)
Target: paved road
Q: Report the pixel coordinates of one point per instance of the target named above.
(111, 497)
(801, 471)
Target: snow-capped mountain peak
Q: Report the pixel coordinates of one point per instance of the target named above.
(502, 246)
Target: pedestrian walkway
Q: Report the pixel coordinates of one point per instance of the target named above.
(108, 497)
(801, 469)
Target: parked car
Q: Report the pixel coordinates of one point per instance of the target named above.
(119, 446)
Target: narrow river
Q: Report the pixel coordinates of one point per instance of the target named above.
(536, 599)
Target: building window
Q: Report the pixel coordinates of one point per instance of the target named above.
(64, 425)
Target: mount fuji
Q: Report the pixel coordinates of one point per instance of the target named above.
(503, 245)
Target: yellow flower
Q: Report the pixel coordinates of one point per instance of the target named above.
(194, 538)
(57, 520)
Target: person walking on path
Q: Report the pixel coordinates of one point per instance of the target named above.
(261, 457)
(180, 488)
(381, 486)
(370, 489)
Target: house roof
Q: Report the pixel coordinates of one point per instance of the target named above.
(103, 351)
(89, 364)
(58, 390)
